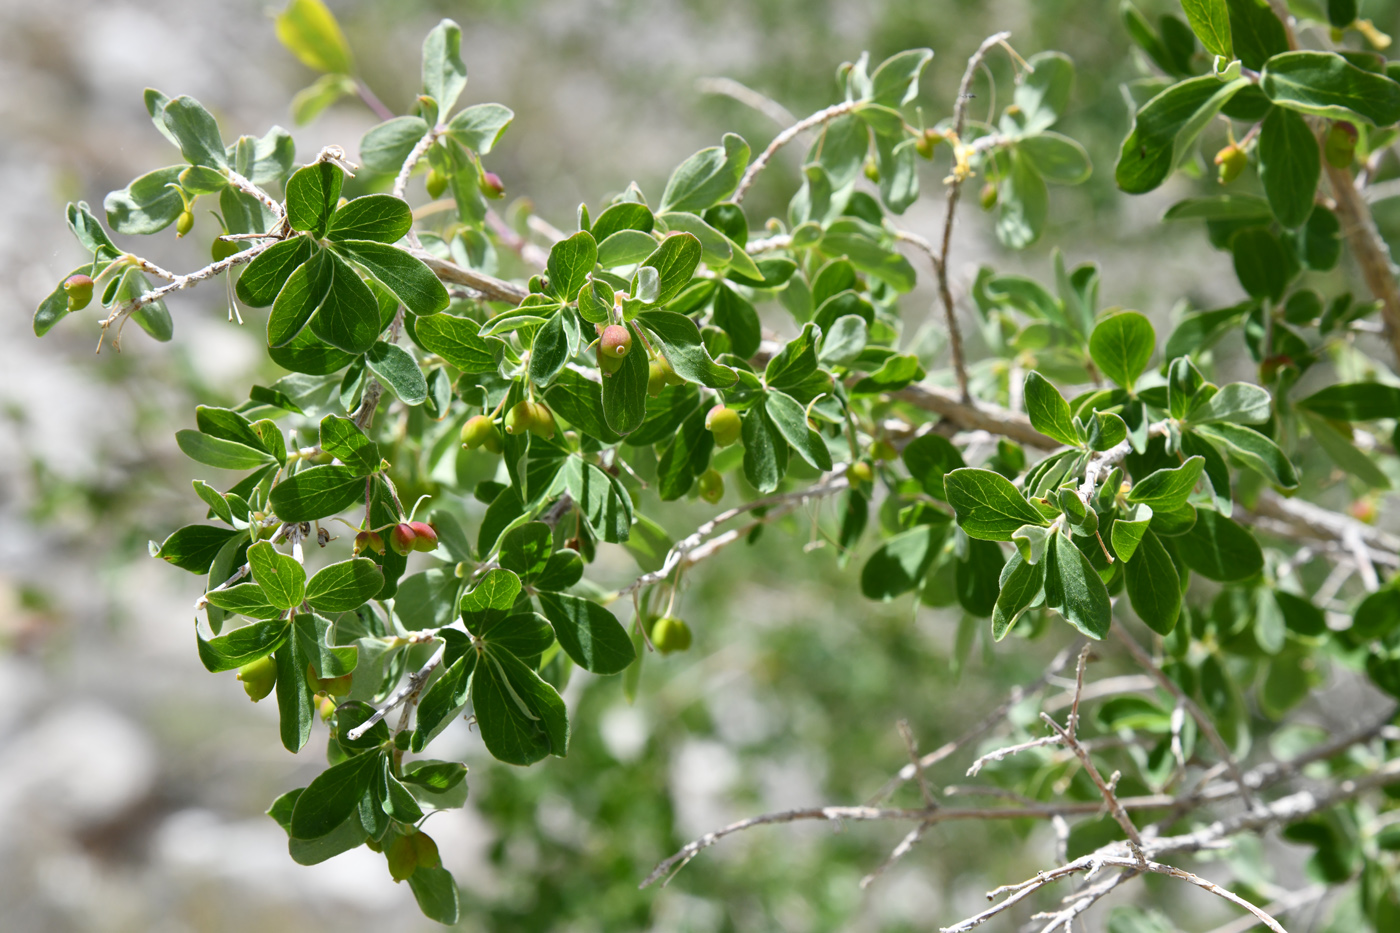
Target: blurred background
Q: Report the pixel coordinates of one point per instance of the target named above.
(133, 783)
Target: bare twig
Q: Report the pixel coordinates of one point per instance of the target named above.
(489, 287)
(819, 118)
(411, 686)
(1115, 808)
(1289, 902)
(1370, 250)
(747, 96)
(954, 189)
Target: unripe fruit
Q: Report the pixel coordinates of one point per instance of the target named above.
(520, 418)
(883, 451)
(368, 541)
(401, 539)
(608, 363)
(326, 707)
(79, 290)
(337, 686)
(670, 634)
(711, 486)
(1339, 146)
(480, 432)
(656, 377)
(258, 677)
(223, 249)
(541, 420)
(926, 143)
(724, 424)
(616, 341)
(988, 197)
(860, 473)
(491, 185)
(402, 856)
(184, 223)
(872, 171)
(1232, 161)
(436, 183)
(425, 536)
(426, 850)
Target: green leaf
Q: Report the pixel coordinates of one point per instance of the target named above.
(1168, 489)
(988, 505)
(381, 218)
(1237, 402)
(333, 795)
(1242, 207)
(864, 245)
(929, 458)
(1256, 31)
(444, 74)
(765, 451)
(1219, 549)
(896, 82)
(1154, 587)
(242, 646)
(1022, 585)
(309, 31)
(279, 575)
(603, 501)
(312, 195)
(305, 291)
(550, 349)
(684, 457)
(455, 340)
(579, 401)
(1255, 450)
(1354, 401)
(427, 600)
(294, 698)
(344, 586)
(844, 341)
(735, 315)
(1210, 21)
(625, 391)
(675, 261)
(247, 599)
(1121, 346)
(1048, 411)
(680, 341)
(196, 131)
(976, 578)
(1059, 159)
(436, 892)
(706, 178)
(263, 278)
(1327, 85)
(1128, 530)
(317, 492)
(398, 370)
(148, 205)
(479, 126)
(1165, 129)
(308, 103)
(901, 562)
(194, 547)
(790, 418)
(386, 147)
(1043, 93)
(522, 719)
(570, 262)
(1289, 166)
(491, 598)
(349, 317)
(153, 318)
(1023, 203)
(408, 277)
(1337, 444)
(220, 453)
(343, 439)
(525, 549)
(588, 633)
(1073, 588)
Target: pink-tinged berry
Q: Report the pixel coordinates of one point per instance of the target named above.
(401, 539)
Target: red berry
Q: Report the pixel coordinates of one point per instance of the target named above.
(616, 341)
(402, 538)
(79, 289)
(425, 536)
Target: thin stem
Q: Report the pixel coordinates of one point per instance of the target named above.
(819, 118)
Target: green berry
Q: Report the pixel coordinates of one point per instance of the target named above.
(1232, 161)
(436, 183)
(491, 185)
(872, 171)
(520, 418)
(724, 424)
(184, 223)
(426, 850)
(368, 541)
(541, 420)
(479, 431)
(258, 677)
(711, 486)
(988, 197)
(670, 634)
(860, 473)
(79, 290)
(608, 363)
(223, 249)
